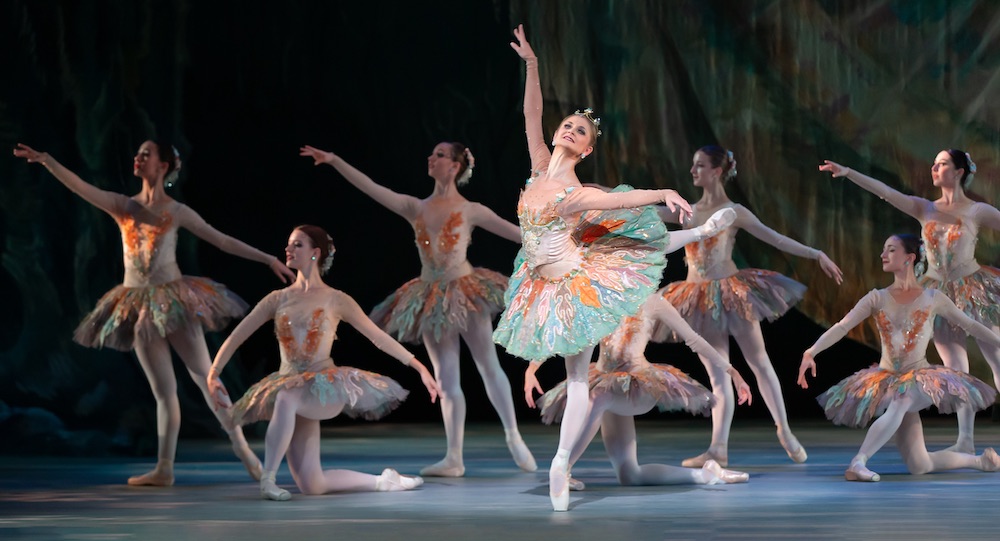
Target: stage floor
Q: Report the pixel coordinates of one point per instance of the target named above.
(76, 498)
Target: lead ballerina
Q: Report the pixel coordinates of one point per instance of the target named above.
(588, 259)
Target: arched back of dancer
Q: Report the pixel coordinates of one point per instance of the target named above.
(949, 226)
(309, 387)
(588, 258)
(156, 308)
(903, 383)
(719, 300)
(451, 300)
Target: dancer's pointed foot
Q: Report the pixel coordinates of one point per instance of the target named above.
(559, 481)
(858, 472)
(392, 481)
(716, 474)
(161, 476)
(717, 223)
(792, 446)
(269, 489)
(575, 485)
(989, 460)
(249, 459)
(522, 455)
(447, 467)
(722, 457)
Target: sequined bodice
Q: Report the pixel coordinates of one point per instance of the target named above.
(950, 247)
(711, 258)
(305, 337)
(443, 252)
(905, 331)
(149, 249)
(625, 348)
(546, 237)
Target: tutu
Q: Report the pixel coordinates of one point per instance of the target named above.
(365, 394)
(422, 306)
(750, 294)
(863, 396)
(622, 261)
(672, 389)
(125, 313)
(978, 295)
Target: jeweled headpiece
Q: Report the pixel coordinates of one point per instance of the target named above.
(588, 113)
(972, 169)
(328, 261)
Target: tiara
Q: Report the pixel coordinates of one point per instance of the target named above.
(588, 113)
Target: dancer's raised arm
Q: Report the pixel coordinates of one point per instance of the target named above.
(537, 149)
(482, 216)
(109, 202)
(909, 204)
(585, 198)
(193, 222)
(401, 204)
(751, 224)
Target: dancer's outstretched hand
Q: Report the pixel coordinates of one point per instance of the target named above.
(531, 383)
(675, 202)
(318, 156)
(427, 379)
(217, 390)
(830, 268)
(521, 46)
(834, 169)
(30, 154)
(743, 394)
(808, 365)
(281, 271)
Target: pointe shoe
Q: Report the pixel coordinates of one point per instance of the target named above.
(444, 468)
(723, 475)
(858, 472)
(522, 455)
(154, 478)
(990, 460)
(392, 481)
(249, 460)
(700, 460)
(559, 482)
(269, 489)
(794, 449)
(718, 222)
(575, 485)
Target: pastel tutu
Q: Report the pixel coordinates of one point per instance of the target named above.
(423, 307)
(863, 396)
(671, 388)
(125, 313)
(978, 295)
(365, 394)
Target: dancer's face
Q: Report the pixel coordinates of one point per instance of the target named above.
(299, 252)
(944, 173)
(894, 256)
(146, 163)
(575, 135)
(439, 163)
(702, 172)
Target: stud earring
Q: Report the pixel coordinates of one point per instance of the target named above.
(314, 258)
(582, 156)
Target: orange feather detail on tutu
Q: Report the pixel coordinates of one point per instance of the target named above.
(580, 286)
(597, 231)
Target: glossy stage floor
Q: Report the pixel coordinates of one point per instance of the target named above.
(76, 498)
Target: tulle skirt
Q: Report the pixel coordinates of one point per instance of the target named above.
(978, 295)
(750, 295)
(622, 263)
(672, 390)
(125, 313)
(864, 395)
(421, 307)
(364, 394)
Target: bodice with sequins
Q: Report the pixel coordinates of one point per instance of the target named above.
(149, 249)
(624, 349)
(305, 337)
(443, 252)
(546, 237)
(950, 245)
(905, 331)
(711, 258)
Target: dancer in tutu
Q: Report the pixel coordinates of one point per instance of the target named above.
(308, 387)
(451, 299)
(950, 227)
(903, 383)
(156, 307)
(588, 259)
(718, 301)
(624, 384)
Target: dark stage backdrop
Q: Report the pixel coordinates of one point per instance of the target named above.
(880, 86)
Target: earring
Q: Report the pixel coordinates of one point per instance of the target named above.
(314, 259)
(582, 156)
(907, 263)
